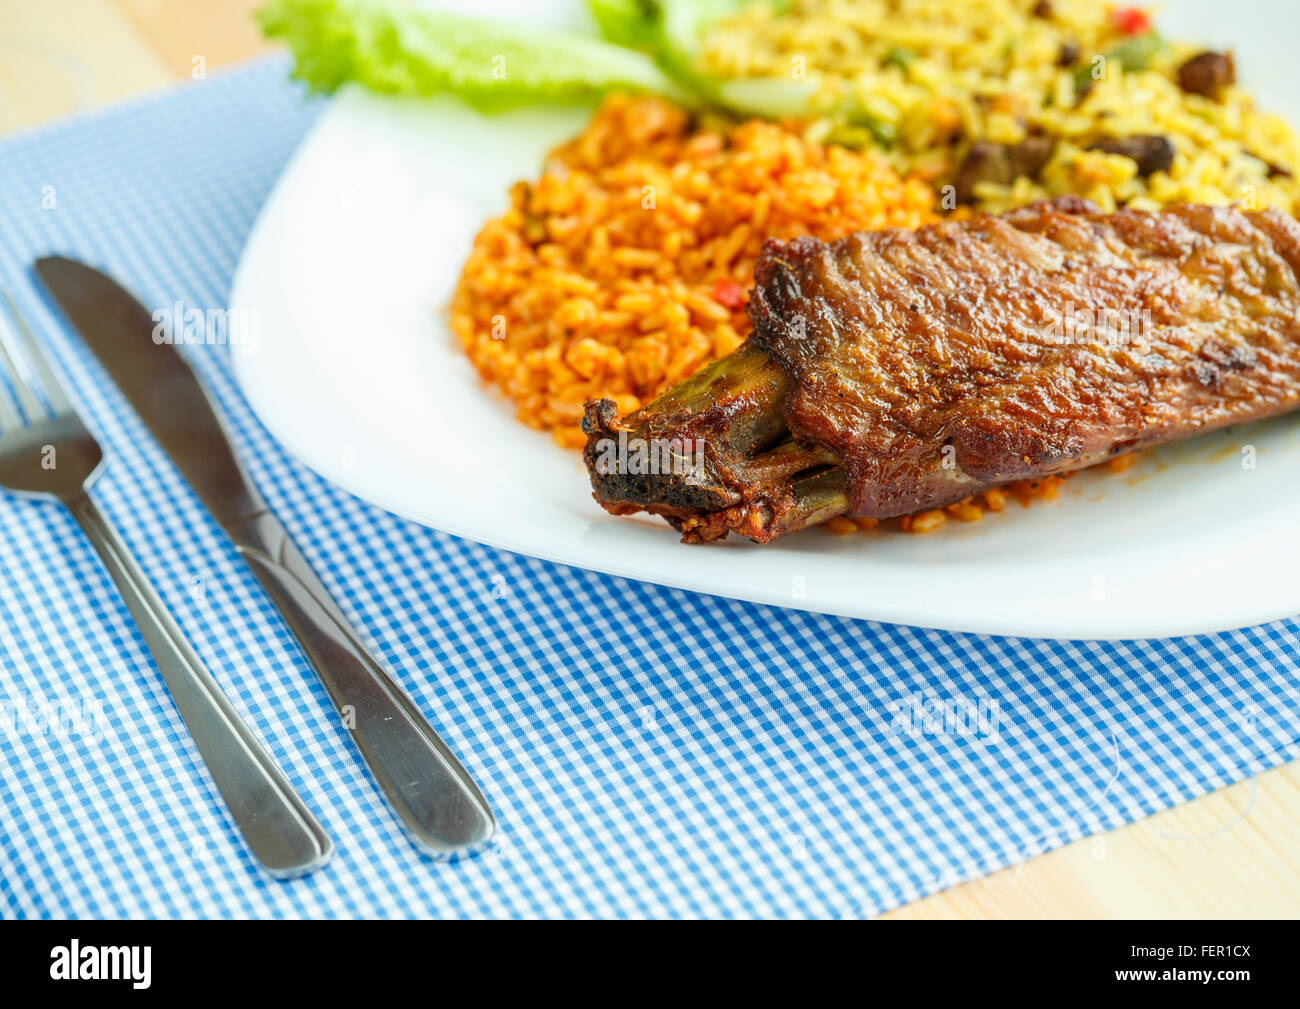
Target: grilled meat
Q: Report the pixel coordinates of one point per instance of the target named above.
(1001, 163)
(895, 371)
(1152, 152)
(1207, 74)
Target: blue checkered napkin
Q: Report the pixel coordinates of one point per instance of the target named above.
(755, 761)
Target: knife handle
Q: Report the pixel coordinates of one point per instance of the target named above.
(276, 824)
(433, 795)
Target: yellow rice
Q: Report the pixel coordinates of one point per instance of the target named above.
(941, 74)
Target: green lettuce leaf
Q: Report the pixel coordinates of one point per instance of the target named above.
(672, 31)
(400, 48)
(630, 23)
(669, 30)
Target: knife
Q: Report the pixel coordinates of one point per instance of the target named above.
(437, 801)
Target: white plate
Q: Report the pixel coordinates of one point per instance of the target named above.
(353, 261)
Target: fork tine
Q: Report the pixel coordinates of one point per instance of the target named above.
(54, 393)
(17, 375)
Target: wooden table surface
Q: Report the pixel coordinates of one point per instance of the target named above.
(1230, 854)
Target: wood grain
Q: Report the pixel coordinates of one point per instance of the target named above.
(1230, 854)
(190, 35)
(56, 59)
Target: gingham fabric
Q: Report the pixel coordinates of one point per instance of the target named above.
(648, 751)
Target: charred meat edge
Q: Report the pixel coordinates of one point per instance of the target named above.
(754, 478)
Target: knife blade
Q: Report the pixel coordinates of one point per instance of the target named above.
(435, 798)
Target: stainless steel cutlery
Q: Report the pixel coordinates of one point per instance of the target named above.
(47, 453)
(432, 794)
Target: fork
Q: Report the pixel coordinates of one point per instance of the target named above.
(47, 453)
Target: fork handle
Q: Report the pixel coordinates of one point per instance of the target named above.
(277, 826)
